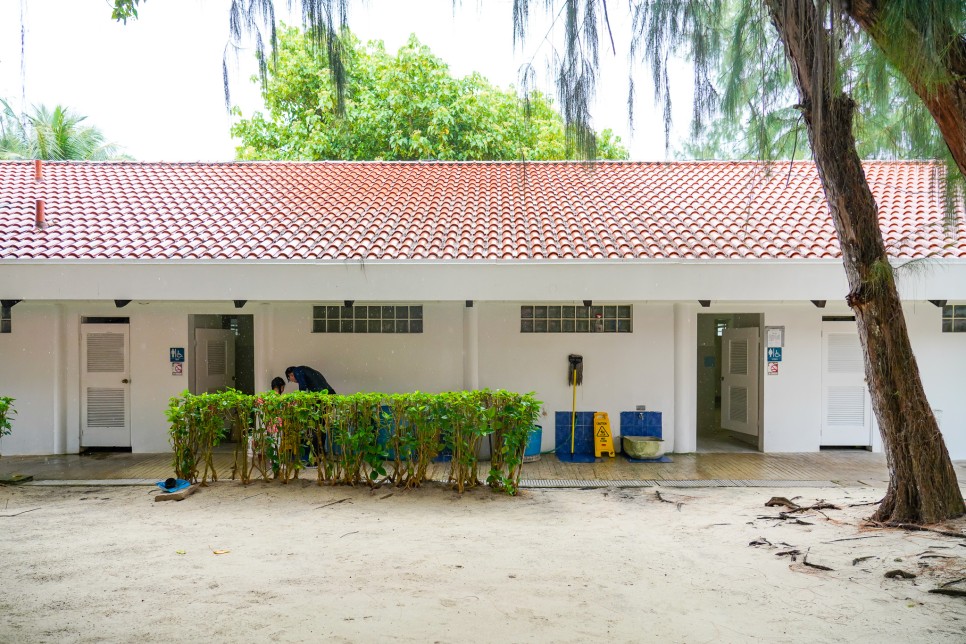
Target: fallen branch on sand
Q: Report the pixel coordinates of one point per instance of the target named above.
(806, 562)
(319, 507)
(18, 513)
(914, 528)
(663, 500)
(786, 516)
(953, 592)
(794, 507)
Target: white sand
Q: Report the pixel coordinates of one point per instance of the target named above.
(305, 563)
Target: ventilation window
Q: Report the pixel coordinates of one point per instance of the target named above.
(844, 354)
(368, 319)
(6, 321)
(738, 358)
(575, 319)
(954, 318)
(105, 352)
(217, 358)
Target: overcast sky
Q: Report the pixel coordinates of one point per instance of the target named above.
(154, 86)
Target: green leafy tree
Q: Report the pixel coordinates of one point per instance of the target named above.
(52, 135)
(401, 107)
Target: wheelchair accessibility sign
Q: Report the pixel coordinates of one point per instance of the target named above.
(774, 354)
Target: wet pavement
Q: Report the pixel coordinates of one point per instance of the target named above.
(848, 468)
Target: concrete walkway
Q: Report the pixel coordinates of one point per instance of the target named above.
(847, 468)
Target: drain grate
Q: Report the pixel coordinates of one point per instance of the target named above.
(86, 483)
(705, 483)
(577, 483)
(747, 483)
(784, 483)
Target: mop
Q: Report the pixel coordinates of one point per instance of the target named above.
(575, 376)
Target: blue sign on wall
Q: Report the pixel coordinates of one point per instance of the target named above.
(177, 354)
(774, 354)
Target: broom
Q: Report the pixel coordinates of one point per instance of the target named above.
(575, 376)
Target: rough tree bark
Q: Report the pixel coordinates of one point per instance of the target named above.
(944, 97)
(922, 484)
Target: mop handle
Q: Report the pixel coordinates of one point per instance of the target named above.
(573, 414)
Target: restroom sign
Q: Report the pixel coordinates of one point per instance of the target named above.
(774, 354)
(177, 354)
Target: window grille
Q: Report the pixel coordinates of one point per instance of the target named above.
(954, 318)
(394, 318)
(609, 318)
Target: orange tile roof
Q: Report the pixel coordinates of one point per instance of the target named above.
(451, 211)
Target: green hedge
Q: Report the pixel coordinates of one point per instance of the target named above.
(368, 437)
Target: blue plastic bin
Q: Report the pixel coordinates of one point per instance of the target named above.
(534, 445)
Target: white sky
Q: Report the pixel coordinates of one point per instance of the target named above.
(154, 86)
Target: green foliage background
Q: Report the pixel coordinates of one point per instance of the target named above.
(402, 107)
(56, 134)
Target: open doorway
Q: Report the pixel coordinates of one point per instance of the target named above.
(221, 353)
(729, 382)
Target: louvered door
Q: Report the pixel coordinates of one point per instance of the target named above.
(846, 407)
(215, 360)
(105, 386)
(740, 362)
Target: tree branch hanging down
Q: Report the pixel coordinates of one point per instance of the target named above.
(923, 40)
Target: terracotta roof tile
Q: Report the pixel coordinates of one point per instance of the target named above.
(436, 210)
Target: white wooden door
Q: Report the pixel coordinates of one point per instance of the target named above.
(846, 406)
(740, 360)
(105, 386)
(215, 360)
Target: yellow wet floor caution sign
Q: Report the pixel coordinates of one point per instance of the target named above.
(603, 441)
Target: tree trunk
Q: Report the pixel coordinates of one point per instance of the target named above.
(945, 97)
(922, 484)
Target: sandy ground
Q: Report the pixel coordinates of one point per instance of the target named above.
(297, 563)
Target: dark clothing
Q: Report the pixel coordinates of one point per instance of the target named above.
(311, 380)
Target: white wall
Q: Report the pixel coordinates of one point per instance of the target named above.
(431, 361)
(792, 410)
(621, 370)
(154, 330)
(29, 373)
(942, 364)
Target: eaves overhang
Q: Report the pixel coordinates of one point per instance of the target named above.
(441, 280)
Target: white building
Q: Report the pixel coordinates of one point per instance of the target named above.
(463, 275)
